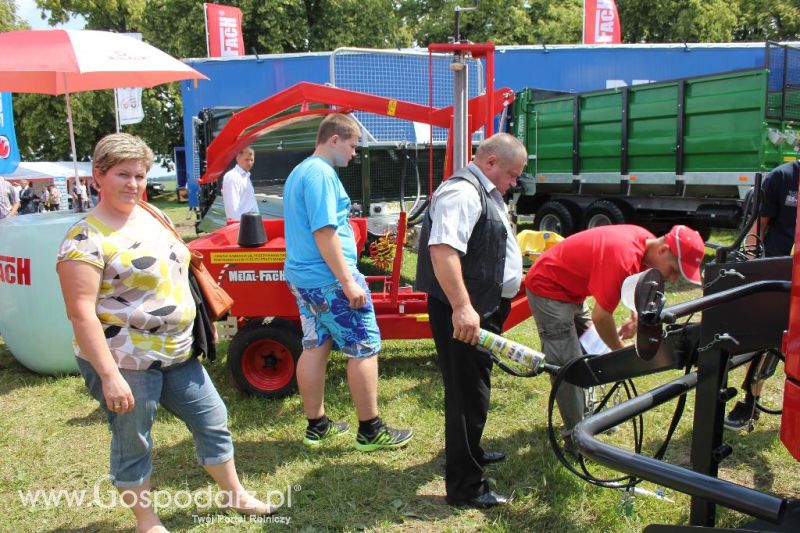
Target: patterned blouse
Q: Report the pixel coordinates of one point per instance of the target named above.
(144, 302)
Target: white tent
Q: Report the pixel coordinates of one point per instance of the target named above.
(48, 170)
(64, 169)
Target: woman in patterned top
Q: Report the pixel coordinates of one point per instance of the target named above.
(125, 285)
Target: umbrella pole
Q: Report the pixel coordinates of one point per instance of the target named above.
(71, 134)
(116, 108)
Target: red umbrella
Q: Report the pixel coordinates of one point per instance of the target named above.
(65, 61)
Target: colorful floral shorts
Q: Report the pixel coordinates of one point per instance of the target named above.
(325, 314)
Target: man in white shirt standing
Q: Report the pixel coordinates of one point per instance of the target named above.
(237, 189)
(79, 196)
(470, 265)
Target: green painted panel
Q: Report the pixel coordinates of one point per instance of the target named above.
(552, 142)
(600, 132)
(652, 101)
(725, 122)
(652, 127)
(725, 129)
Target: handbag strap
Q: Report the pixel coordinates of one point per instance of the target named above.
(196, 256)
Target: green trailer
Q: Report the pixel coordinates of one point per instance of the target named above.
(682, 151)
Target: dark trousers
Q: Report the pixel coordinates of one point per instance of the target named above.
(466, 372)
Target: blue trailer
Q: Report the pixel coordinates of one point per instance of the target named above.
(237, 82)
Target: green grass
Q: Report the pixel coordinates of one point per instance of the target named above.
(53, 436)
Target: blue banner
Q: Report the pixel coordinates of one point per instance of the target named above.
(9, 152)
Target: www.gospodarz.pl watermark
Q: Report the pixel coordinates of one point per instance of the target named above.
(106, 496)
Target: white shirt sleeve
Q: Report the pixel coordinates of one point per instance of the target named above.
(455, 210)
(231, 194)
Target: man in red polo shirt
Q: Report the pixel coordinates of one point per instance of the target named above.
(594, 263)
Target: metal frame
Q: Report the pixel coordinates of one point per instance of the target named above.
(681, 127)
(376, 51)
(714, 362)
(401, 312)
(255, 121)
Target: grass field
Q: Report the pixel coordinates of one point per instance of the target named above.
(54, 437)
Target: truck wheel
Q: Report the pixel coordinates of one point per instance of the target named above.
(262, 360)
(554, 216)
(603, 213)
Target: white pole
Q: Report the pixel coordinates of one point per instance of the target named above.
(71, 131)
(116, 108)
(208, 45)
(461, 157)
(583, 27)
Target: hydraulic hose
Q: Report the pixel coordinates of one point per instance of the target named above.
(731, 495)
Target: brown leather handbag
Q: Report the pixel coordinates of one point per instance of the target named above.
(217, 301)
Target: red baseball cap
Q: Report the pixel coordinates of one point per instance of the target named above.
(688, 246)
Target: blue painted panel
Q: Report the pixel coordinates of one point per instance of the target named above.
(582, 69)
(243, 81)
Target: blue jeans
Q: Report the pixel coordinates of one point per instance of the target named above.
(186, 391)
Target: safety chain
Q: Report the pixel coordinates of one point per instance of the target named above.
(719, 337)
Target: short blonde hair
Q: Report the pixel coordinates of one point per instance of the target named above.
(337, 124)
(117, 148)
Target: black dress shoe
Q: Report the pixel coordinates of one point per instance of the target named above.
(484, 501)
(491, 457)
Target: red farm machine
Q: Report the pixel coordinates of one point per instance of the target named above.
(265, 348)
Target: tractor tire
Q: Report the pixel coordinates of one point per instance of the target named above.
(554, 216)
(603, 213)
(262, 359)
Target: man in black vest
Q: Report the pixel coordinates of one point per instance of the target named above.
(470, 265)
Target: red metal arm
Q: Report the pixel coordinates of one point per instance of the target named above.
(253, 122)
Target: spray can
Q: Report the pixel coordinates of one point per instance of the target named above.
(515, 351)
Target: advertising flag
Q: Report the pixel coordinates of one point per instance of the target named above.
(601, 22)
(129, 105)
(9, 152)
(129, 99)
(224, 31)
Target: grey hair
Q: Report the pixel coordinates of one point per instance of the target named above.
(504, 146)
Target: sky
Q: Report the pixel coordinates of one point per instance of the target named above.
(27, 10)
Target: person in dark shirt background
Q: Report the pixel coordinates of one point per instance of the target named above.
(777, 228)
(779, 209)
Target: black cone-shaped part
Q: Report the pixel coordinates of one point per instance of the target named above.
(251, 231)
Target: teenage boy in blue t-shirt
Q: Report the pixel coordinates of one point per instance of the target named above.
(334, 301)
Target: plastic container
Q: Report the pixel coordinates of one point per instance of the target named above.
(532, 244)
(33, 319)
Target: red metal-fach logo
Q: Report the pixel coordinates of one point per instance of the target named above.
(5, 147)
(15, 270)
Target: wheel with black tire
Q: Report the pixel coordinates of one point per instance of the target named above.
(554, 216)
(262, 359)
(603, 213)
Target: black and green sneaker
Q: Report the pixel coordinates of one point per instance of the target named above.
(315, 437)
(385, 438)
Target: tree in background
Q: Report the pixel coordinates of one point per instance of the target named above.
(177, 27)
(761, 20)
(665, 21)
(277, 26)
(500, 21)
(8, 16)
